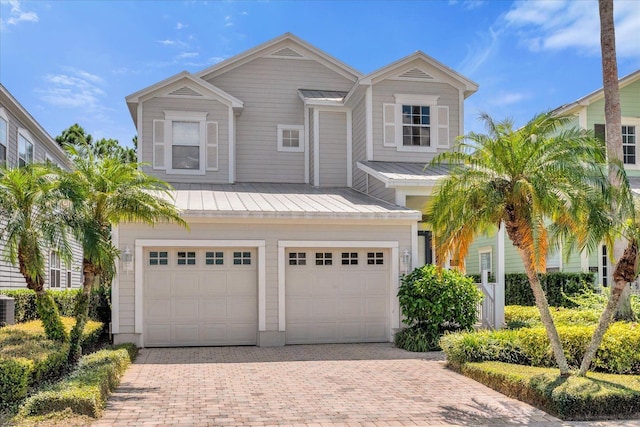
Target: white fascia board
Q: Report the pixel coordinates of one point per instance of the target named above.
(382, 216)
(337, 244)
(374, 173)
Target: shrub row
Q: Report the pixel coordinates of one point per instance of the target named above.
(617, 354)
(556, 286)
(573, 398)
(26, 310)
(27, 359)
(86, 389)
(518, 316)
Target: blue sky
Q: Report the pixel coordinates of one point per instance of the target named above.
(75, 61)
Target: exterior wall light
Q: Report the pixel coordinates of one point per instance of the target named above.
(127, 260)
(406, 261)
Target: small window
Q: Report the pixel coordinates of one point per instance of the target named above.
(324, 258)
(54, 270)
(416, 126)
(629, 145)
(186, 258)
(375, 258)
(25, 150)
(290, 138)
(349, 258)
(214, 258)
(158, 258)
(297, 258)
(242, 258)
(68, 278)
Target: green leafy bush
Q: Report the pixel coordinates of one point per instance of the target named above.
(557, 286)
(85, 391)
(518, 316)
(14, 378)
(617, 354)
(574, 398)
(26, 310)
(434, 301)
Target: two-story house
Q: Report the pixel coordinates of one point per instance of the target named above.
(587, 113)
(302, 181)
(23, 141)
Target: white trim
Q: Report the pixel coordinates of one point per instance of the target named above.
(393, 278)
(430, 101)
(461, 114)
(582, 118)
(369, 122)
(115, 285)
(415, 260)
(301, 144)
(349, 148)
(316, 147)
(232, 147)
(140, 134)
(413, 99)
(196, 116)
(485, 250)
(306, 145)
(140, 244)
(499, 300)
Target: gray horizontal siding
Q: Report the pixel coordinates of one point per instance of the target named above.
(312, 167)
(377, 189)
(333, 149)
(359, 141)
(269, 89)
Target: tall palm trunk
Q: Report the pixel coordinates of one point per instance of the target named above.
(45, 305)
(624, 272)
(82, 311)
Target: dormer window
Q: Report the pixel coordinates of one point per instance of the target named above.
(416, 126)
(416, 123)
(185, 146)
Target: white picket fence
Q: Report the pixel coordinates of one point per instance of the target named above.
(486, 308)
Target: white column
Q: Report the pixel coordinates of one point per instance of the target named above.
(584, 261)
(498, 309)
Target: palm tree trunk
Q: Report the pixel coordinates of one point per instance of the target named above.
(545, 314)
(624, 273)
(81, 312)
(613, 119)
(47, 308)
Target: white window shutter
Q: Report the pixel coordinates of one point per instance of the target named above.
(442, 121)
(389, 124)
(159, 142)
(212, 146)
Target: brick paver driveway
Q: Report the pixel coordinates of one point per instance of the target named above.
(315, 385)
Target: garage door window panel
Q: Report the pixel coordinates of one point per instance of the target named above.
(324, 258)
(349, 258)
(158, 258)
(186, 258)
(298, 258)
(214, 258)
(375, 258)
(242, 258)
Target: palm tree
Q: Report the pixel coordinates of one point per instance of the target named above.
(30, 205)
(105, 191)
(525, 179)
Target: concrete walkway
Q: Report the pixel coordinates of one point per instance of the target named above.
(318, 385)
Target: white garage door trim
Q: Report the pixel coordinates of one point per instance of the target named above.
(394, 272)
(141, 244)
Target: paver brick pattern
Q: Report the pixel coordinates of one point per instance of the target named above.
(307, 385)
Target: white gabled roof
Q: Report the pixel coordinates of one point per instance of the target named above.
(262, 200)
(470, 86)
(134, 98)
(595, 95)
(249, 55)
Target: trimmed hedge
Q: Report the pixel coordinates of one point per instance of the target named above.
(28, 359)
(518, 316)
(617, 354)
(574, 398)
(85, 391)
(26, 310)
(555, 285)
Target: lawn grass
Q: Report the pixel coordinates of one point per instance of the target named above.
(597, 396)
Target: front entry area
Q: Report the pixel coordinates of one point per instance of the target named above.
(197, 296)
(337, 295)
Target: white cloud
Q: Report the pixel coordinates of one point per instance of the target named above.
(184, 55)
(74, 89)
(168, 42)
(17, 15)
(508, 98)
(468, 4)
(482, 49)
(180, 26)
(563, 24)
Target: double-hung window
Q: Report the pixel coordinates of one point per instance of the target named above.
(25, 148)
(55, 270)
(629, 144)
(4, 132)
(415, 123)
(185, 143)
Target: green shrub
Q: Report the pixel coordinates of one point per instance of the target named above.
(559, 287)
(434, 301)
(518, 316)
(574, 398)
(14, 378)
(26, 310)
(85, 391)
(617, 354)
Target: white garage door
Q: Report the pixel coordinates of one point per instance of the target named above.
(200, 297)
(337, 295)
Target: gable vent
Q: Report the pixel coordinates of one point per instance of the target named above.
(185, 91)
(415, 73)
(287, 52)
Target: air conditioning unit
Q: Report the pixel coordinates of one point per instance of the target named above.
(7, 310)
